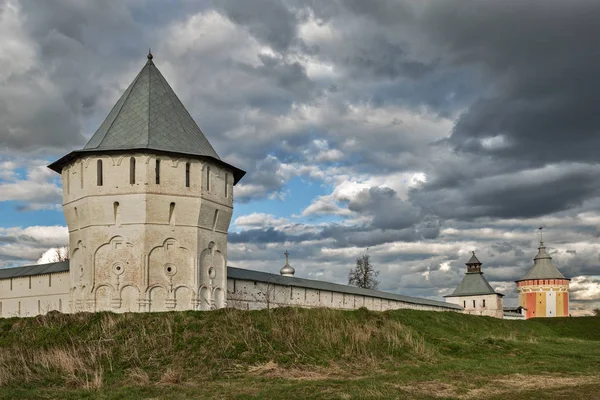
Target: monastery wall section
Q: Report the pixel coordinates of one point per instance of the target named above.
(34, 295)
(255, 295)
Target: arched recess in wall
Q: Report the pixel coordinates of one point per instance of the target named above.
(132, 171)
(183, 298)
(103, 298)
(219, 298)
(130, 299)
(204, 298)
(158, 296)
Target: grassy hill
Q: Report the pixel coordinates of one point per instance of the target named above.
(298, 353)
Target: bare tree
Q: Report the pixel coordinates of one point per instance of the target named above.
(364, 274)
(60, 254)
(596, 312)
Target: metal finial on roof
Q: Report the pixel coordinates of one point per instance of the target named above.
(287, 269)
(150, 56)
(541, 236)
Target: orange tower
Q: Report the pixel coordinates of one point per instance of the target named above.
(544, 291)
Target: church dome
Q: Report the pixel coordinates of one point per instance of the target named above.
(287, 269)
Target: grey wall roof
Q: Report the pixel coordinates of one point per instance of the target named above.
(473, 284)
(542, 267)
(31, 270)
(149, 116)
(249, 275)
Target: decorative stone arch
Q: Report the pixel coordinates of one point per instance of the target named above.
(170, 264)
(204, 298)
(130, 298)
(218, 296)
(103, 297)
(157, 297)
(184, 296)
(116, 251)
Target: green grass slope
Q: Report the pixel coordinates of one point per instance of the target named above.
(298, 353)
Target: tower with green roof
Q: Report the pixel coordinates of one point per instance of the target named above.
(148, 202)
(475, 294)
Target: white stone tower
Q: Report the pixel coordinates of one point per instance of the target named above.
(148, 203)
(475, 294)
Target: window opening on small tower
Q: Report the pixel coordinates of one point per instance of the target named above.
(157, 171)
(172, 214)
(484, 302)
(187, 174)
(117, 213)
(226, 185)
(474, 304)
(99, 173)
(207, 178)
(132, 171)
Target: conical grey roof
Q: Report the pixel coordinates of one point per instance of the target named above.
(150, 115)
(473, 283)
(543, 267)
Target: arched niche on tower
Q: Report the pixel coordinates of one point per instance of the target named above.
(115, 264)
(80, 277)
(170, 265)
(212, 266)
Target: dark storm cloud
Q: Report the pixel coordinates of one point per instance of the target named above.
(526, 194)
(388, 211)
(544, 71)
(269, 20)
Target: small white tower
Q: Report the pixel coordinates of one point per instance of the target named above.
(148, 203)
(287, 269)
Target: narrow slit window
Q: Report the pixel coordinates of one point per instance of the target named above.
(99, 180)
(132, 171)
(81, 175)
(187, 174)
(474, 304)
(215, 217)
(157, 170)
(226, 185)
(172, 214)
(484, 302)
(117, 213)
(207, 178)
(67, 181)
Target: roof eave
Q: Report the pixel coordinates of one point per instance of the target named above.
(473, 294)
(58, 165)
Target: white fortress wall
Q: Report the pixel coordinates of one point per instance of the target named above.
(28, 296)
(255, 295)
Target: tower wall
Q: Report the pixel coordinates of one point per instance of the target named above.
(544, 298)
(490, 305)
(141, 245)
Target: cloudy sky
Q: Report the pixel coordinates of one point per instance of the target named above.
(416, 131)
